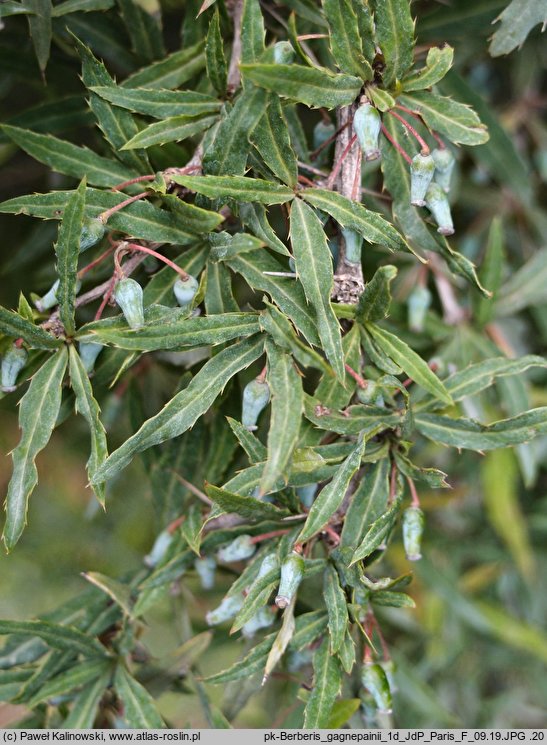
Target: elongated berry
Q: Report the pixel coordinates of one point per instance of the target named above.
(161, 544)
(374, 679)
(353, 242)
(418, 304)
(367, 124)
(225, 611)
(185, 291)
(422, 169)
(13, 362)
(292, 572)
(283, 53)
(256, 396)
(437, 203)
(261, 620)
(444, 165)
(129, 297)
(268, 563)
(237, 550)
(307, 494)
(206, 571)
(89, 351)
(93, 230)
(50, 298)
(413, 522)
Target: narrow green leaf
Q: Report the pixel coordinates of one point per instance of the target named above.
(84, 708)
(471, 435)
(526, 287)
(252, 32)
(172, 329)
(187, 406)
(89, 409)
(327, 679)
(376, 534)
(228, 153)
(249, 665)
(225, 246)
(348, 214)
(395, 35)
(392, 599)
(256, 598)
(67, 250)
(345, 42)
(412, 364)
(437, 64)
(375, 301)
(286, 293)
(13, 8)
(287, 403)
(60, 115)
(281, 641)
(490, 272)
(342, 711)
(368, 420)
(347, 655)
(219, 297)
(143, 30)
(139, 708)
(170, 72)
(12, 324)
(80, 6)
(215, 58)
(56, 636)
(160, 104)
(367, 503)
(172, 129)
(314, 268)
(117, 591)
(271, 139)
(39, 21)
(313, 86)
(247, 507)
(455, 120)
(37, 416)
(79, 675)
(236, 187)
(255, 218)
(516, 22)
(117, 125)
(72, 160)
(331, 496)
(337, 607)
(255, 450)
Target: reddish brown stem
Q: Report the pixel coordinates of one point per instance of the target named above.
(327, 142)
(151, 252)
(103, 217)
(305, 180)
(261, 377)
(271, 534)
(95, 262)
(417, 136)
(137, 180)
(396, 145)
(106, 297)
(361, 382)
(417, 116)
(413, 492)
(336, 170)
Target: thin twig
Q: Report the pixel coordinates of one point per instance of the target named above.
(195, 491)
(361, 382)
(137, 180)
(235, 8)
(414, 132)
(143, 249)
(323, 145)
(97, 292)
(396, 145)
(413, 492)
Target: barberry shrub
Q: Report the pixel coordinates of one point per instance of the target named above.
(278, 217)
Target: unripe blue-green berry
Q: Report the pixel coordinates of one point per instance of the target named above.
(92, 231)
(374, 679)
(422, 169)
(261, 620)
(50, 298)
(306, 494)
(292, 572)
(370, 394)
(225, 611)
(256, 396)
(283, 53)
(185, 291)
(413, 528)
(444, 165)
(129, 297)
(419, 301)
(353, 242)
(206, 571)
(438, 205)
(13, 362)
(161, 544)
(367, 124)
(240, 548)
(89, 351)
(268, 563)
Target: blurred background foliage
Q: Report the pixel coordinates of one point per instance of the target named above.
(472, 653)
